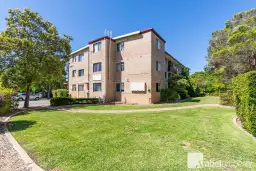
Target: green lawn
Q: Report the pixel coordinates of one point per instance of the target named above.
(137, 141)
(192, 101)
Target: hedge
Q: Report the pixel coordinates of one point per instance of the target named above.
(244, 89)
(85, 100)
(59, 101)
(59, 93)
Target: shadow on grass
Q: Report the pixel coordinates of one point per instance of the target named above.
(20, 125)
(190, 100)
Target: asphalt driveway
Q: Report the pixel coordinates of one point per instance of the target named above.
(36, 103)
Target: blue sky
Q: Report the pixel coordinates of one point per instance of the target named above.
(185, 25)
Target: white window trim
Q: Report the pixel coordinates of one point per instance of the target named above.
(79, 57)
(121, 48)
(100, 87)
(158, 43)
(120, 86)
(119, 63)
(98, 49)
(158, 67)
(100, 67)
(73, 75)
(79, 72)
(80, 85)
(73, 85)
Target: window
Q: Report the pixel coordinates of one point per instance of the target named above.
(120, 46)
(96, 47)
(158, 66)
(80, 87)
(119, 87)
(81, 72)
(73, 73)
(165, 75)
(97, 67)
(96, 87)
(158, 44)
(80, 57)
(120, 67)
(157, 87)
(74, 59)
(73, 87)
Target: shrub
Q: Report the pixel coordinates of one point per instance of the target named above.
(169, 95)
(183, 93)
(54, 93)
(227, 98)
(59, 101)
(7, 101)
(60, 93)
(244, 89)
(85, 100)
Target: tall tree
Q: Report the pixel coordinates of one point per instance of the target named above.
(233, 49)
(31, 50)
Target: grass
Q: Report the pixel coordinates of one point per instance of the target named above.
(137, 141)
(191, 101)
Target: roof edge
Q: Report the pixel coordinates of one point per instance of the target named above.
(126, 35)
(78, 50)
(101, 38)
(151, 29)
(175, 59)
(120, 37)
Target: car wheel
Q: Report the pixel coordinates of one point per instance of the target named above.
(20, 99)
(37, 98)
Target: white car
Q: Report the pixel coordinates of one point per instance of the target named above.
(22, 96)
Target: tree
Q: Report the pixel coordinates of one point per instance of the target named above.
(233, 49)
(207, 82)
(31, 51)
(191, 91)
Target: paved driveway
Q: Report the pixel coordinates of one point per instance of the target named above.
(36, 103)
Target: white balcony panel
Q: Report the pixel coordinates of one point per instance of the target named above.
(96, 77)
(137, 86)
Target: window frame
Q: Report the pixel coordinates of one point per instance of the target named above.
(73, 73)
(165, 75)
(79, 87)
(121, 87)
(120, 46)
(157, 87)
(74, 59)
(158, 66)
(94, 84)
(80, 60)
(98, 44)
(121, 66)
(79, 72)
(73, 87)
(99, 67)
(158, 44)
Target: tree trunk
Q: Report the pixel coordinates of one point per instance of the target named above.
(26, 103)
(49, 92)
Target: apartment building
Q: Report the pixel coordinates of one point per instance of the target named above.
(131, 68)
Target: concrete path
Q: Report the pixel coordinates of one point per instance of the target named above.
(144, 110)
(12, 156)
(10, 160)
